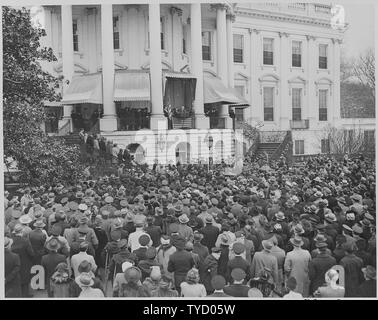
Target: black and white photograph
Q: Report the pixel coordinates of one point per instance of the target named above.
(189, 150)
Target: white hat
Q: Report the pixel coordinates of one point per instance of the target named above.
(126, 265)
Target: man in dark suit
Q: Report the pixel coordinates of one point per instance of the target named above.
(238, 261)
(218, 283)
(12, 267)
(319, 266)
(210, 267)
(368, 288)
(23, 248)
(237, 289)
(210, 233)
(51, 260)
(180, 262)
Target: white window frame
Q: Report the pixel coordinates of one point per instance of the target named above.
(273, 50)
(295, 142)
(119, 15)
(301, 46)
(211, 44)
(243, 48)
(327, 55)
(274, 102)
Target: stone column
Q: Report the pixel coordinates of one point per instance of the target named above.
(222, 69)
(92, 58)
(230, 49)
(284, 111)
(176, 36)
(336, 108)
(221, 42)
(133, 52)
(312, 96)
(201, 121)
(68, 60)
(109, 120)
(158, 120)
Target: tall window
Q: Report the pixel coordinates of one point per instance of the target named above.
(75, 36)
(325, 146)
(239, 114)
(116, 32)
(268, 103)
(323, 94)
(299, 146)
(162, 35)
(238, 48)
(206, 45)
(296, 56)
(297, 103)
(268, 51)
(323, 48)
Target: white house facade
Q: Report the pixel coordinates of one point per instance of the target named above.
(183, 76)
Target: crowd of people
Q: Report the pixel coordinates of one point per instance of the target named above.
(274, 230)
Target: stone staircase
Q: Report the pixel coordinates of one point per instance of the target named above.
(266, 149)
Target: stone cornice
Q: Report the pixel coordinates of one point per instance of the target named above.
(285, 34)
(231, 16)
(309, 37)
(268, 15)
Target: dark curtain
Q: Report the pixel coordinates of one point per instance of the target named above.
(180, 92)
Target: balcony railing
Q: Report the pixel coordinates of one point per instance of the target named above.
(299, 124)
(297, 6)
(182, 123)
(322, 8)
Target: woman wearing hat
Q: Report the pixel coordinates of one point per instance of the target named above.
(23, 248)
(133, 287)
(191, 286)
(12, 266)
(60, 281)
(332, 289)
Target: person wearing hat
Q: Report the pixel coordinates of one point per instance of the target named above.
(76, 259)
(85, 282)
(164, 251)
(133, 286)
(119, 278)
(238, 260)
(210, 233)
(16, 214)
(144, 244)
(237, 288)
(119, 257)
(248, 244)
(296, 265)
(368, 288)
(26, 198)
(37, 238)
(12, 267)
(50, 261)
(348, 234)
(165, 288)
(25, 221)
(210, 268)
(265, 259)
(218, 283)
(147, 264)
(60, 281)
(151, 282)
(84, 233)
(320, 264)
(180, 262)
(108, 206)
(153, 230)
(23, 248)
(352, 266)
(184, 230)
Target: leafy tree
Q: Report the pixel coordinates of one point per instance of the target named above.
(26, 86)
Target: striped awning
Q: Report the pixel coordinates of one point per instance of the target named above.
(84, 89)
(133, 85)
(214, 91)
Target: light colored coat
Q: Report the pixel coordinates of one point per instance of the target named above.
(296, 265)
